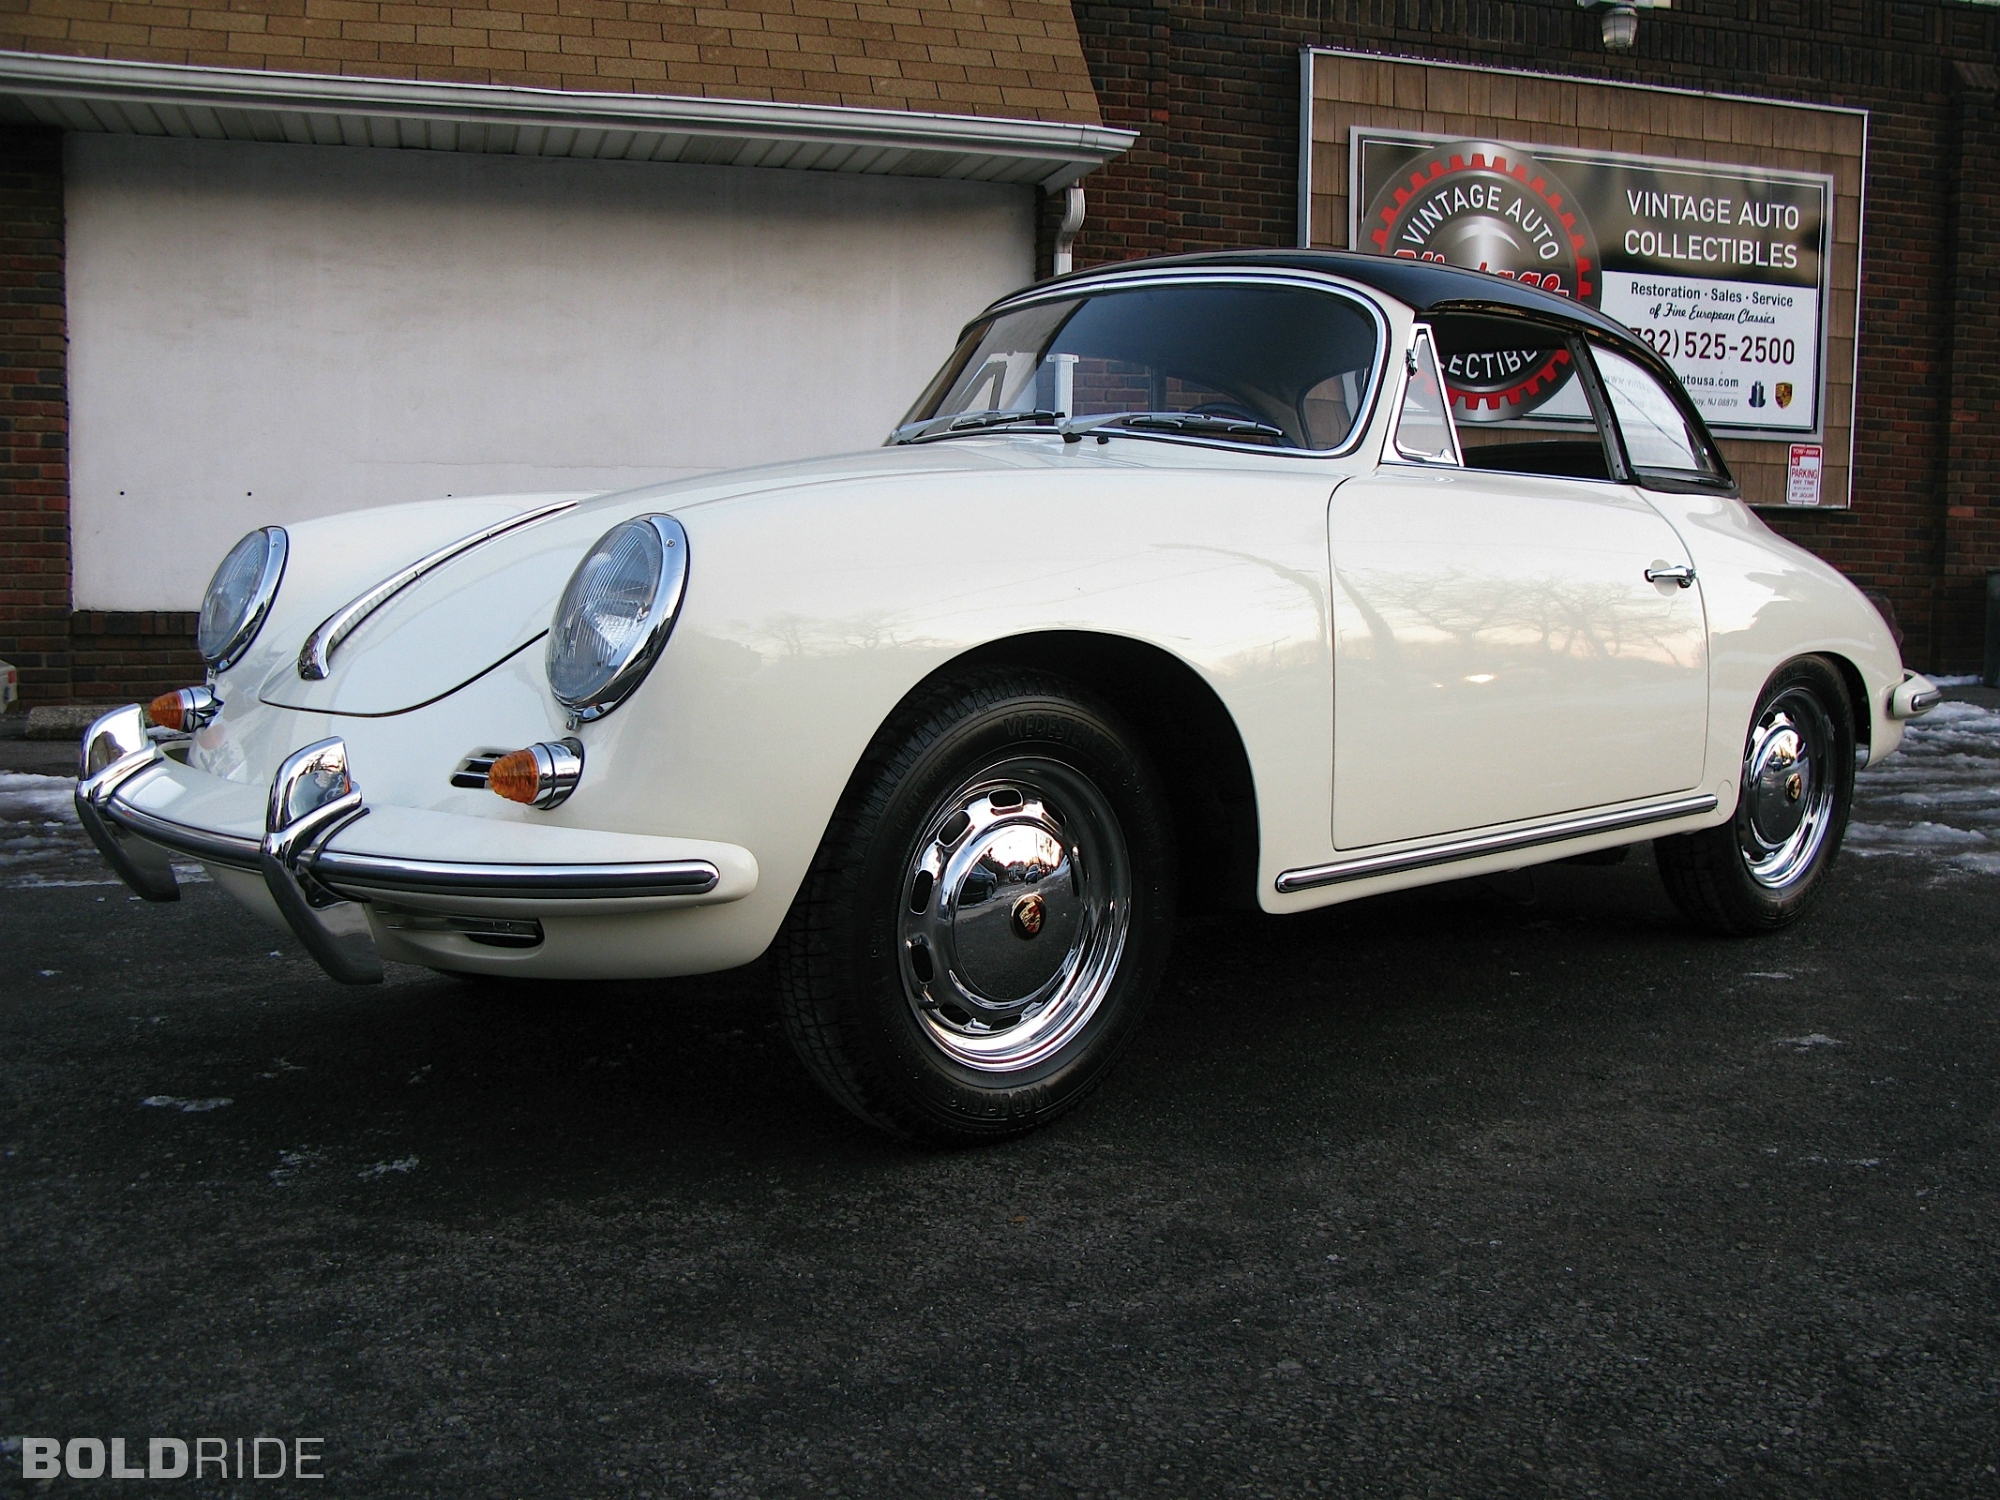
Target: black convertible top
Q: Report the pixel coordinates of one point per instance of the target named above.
(1424, 285)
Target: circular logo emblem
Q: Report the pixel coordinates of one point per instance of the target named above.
(1495, 209)
(1028, 915)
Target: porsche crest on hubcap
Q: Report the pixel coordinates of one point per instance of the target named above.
(1016, 906)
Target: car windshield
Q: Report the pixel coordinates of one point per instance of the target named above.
(1276, 365)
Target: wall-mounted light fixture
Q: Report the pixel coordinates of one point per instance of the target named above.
(1619, 19)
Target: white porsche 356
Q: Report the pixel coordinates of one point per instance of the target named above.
(1191, 572)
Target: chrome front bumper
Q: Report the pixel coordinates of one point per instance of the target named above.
(324, 892)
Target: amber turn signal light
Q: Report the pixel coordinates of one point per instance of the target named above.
(515, 776)
(185, 709)
(540, 776)
(165, 710)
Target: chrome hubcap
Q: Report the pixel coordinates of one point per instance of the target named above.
(1787, 789)
(1015, 911)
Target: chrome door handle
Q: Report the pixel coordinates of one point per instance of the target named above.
(1679, 573)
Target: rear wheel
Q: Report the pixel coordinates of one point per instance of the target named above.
(1760, 870)
(987, 916)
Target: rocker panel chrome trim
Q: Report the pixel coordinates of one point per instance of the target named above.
(1563, 829)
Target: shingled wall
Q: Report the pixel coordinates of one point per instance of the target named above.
(1012, 58)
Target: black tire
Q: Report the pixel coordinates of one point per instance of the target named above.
(1761, 870)
(1031, 803)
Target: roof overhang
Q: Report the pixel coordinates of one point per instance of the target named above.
(94, 94)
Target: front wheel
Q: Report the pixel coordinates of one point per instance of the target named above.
(987, 916)
(1760, 870)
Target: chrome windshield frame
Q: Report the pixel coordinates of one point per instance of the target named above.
(1095, 283)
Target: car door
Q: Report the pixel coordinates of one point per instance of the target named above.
(1500, 654)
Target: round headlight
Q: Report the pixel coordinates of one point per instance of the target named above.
(616, 614)
(239, 597)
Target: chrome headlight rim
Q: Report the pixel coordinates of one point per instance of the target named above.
(632, 665)
(256, 607)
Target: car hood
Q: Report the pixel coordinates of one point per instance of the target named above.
(493, 601)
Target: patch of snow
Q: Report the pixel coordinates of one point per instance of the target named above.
(1808, 1042)
(1970, 679)
(185, 1106)
(384, 1168)
(24, 795)
(41, 842)
(291, 1163)
(1914, 835)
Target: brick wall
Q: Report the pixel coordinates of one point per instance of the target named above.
(34, 425)
(1015, 58)
(119, 656)
(1970, 471)
(1214, 86)
(63, 657)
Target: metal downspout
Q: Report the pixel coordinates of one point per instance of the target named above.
(1072, 221)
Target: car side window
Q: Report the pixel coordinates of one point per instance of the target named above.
(1423, 425)
(1657, 433)
(1517, 404)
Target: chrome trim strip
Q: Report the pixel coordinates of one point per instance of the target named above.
(230, 849)
(336, 627)
(371, 875)
(1362, 866)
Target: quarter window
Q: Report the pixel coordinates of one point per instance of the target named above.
(1657, 433)
(1423, 426)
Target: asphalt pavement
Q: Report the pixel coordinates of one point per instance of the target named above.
(1507, 1188)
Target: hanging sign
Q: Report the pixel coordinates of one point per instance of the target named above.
(1722, 269)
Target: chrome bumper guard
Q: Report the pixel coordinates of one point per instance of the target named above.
(312, 799)
(1913, 697)
(114, 751)
(322, 892)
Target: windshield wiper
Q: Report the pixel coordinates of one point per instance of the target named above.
(973, 421)
(1169, 421)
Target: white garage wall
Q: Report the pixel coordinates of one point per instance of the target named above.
(264, 333)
